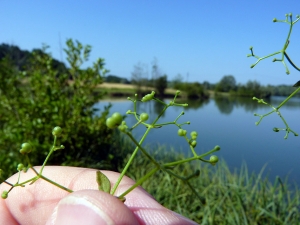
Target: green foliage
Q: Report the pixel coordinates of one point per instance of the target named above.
(21, 59)
(225, 197)
(252, 88)
(195, 91)
(282, 90)
(177, 82)
(161, 84)
(115, 79)
(226, 84)
(40, 97)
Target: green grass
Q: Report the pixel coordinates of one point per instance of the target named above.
(224, 197)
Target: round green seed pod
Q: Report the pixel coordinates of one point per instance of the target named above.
(122, 128)
(213, 159)
(20, 167)
(194, 144)
(117, 117)
(194, 135)
(25, 148)
(57, 131)
(110, 123)
(144, 117)
(4, 194)
(180, 132)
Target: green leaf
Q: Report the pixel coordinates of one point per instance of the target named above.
(103, 182)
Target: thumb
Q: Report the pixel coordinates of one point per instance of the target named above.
(91, 207)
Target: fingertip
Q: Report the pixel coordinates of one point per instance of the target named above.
(91, 207)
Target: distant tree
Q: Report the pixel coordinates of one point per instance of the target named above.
(116, 79)
(21, 59)
(195, 91)
(155, 72)
(139, 76)
(208, 86)
(161, 84)
(177, 82)
(159, 81)
(226, 84)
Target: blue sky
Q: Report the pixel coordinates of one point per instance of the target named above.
(201, 40)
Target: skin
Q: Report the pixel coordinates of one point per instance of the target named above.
(43, 203)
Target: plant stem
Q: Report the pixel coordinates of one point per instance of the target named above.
(129, 162)
(49, 154)
(139, 182)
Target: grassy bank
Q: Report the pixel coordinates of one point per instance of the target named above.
(118, 90)
(225, 197)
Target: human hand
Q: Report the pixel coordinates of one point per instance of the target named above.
(44, 203)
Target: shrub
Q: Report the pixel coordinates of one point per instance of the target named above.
(40, 97)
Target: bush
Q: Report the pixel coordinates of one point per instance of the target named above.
(195, 91)
(38, 98)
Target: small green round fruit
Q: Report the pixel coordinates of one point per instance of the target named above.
(110, 123)
(122, 128)
(4, 194)
(117, 117)
(56, 131)
(144, 117)
(20, 167)
(194, 133)
(213, 159)
(180, 132)
(194, 144)
(25, 148)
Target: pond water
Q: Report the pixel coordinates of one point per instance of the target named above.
(229, 123)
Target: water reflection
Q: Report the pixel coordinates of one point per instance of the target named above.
(227, 104)
(228, 122)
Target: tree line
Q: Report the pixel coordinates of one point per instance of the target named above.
(141, 77)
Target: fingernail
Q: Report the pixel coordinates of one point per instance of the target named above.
(79, 210)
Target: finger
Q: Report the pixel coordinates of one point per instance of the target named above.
(35, 203)
(91, 207)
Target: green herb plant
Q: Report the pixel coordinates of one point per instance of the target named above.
(116, 121)
(287, 129)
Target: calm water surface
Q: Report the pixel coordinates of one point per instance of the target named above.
(229, 122)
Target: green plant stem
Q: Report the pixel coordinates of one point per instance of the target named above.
(139, 182)
(142, 149)
(262, 58)
(191, 147)
(291, 62)
(56, 184)
(216, 148)
(288, 98)
(129, 162)
(48, 156)
(38, 176)
(33, 179)
(158, 100)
